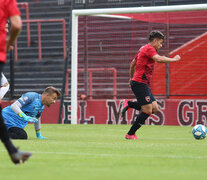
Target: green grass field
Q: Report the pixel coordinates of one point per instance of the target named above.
(100, 152)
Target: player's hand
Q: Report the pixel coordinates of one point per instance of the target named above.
(39, 136)
(32, 120)
(177, 58)
(28, 118)
(8, 46)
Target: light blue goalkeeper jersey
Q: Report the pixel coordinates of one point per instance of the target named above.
(31, 106)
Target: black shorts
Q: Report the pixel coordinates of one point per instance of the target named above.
(142, 92)
(17, 133)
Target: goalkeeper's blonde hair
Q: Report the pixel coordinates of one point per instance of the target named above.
(50, 90)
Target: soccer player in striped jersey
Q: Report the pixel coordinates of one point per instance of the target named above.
(141, 70)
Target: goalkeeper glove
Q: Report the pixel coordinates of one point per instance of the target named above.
(27, 118)
(39, 135)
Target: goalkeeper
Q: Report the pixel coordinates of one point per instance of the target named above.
(28, 108)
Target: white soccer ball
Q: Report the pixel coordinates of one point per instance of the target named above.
(199, 131)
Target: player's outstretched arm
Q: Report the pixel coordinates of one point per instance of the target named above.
(164, 59)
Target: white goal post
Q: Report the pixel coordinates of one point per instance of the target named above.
(91, 12)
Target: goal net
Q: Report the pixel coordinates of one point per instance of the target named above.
(104, 41)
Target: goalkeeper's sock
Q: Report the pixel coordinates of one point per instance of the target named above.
(37, 131)
(134, 105)
(138, 123)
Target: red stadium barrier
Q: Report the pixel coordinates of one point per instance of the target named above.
(25, 4)
(186, 112)
(39, 21)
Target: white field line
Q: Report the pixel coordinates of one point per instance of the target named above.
(120, 155)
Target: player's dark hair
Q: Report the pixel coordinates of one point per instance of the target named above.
(155, 34)
(51, 90)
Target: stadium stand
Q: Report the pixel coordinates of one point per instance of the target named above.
(31, 74)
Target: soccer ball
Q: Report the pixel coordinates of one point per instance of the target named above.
(199, 131)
